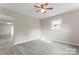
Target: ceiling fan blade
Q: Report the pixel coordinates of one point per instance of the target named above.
(44, 11)
(36, 6)
(37, 10)
(46, 4)
(42, 6)
(49, 8)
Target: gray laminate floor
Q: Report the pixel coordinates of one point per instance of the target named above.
(38, 47)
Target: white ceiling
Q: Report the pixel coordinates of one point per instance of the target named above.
(28, 9)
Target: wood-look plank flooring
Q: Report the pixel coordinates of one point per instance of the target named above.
(38, 47)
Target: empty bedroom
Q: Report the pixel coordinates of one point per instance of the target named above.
(39, 28)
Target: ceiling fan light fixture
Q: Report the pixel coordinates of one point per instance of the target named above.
(43, 10)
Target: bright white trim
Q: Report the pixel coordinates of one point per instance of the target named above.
(25, 41)
(75, 44)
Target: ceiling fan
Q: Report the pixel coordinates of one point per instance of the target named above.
(43, 7)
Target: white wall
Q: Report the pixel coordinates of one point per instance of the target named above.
(70, 32)
(26, 28)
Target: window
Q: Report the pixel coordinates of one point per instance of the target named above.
(56, 24)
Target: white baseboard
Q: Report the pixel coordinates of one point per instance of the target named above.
(75, 44)
(23, 41)
(53, 40)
